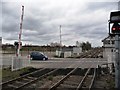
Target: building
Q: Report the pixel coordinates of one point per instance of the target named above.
(109, 50)
(64, 52)
(77, 51)
(68, 51)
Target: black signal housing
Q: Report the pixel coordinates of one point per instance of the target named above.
(115, 17)
(115, 20)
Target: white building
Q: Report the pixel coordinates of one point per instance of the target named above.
(64, 52)
(77, 51)
(109, 50)
(68, 52)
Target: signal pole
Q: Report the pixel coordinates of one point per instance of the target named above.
(117, 56)
(115, 31)
(117, 61)
(19, 43)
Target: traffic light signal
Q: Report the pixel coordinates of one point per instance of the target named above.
(16, 44)
(116, 28)
(115, 20)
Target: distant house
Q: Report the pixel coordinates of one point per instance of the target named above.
(68, 51)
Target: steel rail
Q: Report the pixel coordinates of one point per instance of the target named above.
(92, 80)
(26, 76)
(21, 76)
(49, 73)
(80, 85)
(62, 80)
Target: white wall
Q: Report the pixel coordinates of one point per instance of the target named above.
(67, 54)
(58, 53)
(109, 55)
(77, 50)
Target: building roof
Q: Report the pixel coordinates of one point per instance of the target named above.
(108, 38)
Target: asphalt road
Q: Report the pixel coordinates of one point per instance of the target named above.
(58, 62)
(68, 63)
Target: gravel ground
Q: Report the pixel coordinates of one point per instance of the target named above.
(105, 81)
(46, 82)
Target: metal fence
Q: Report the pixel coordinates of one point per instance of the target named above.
(19, 62)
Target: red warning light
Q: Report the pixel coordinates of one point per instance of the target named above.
(116, 28)
(113, 28)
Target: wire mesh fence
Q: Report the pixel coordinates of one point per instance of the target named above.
(19, 62)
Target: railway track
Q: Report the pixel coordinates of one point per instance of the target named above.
(22, 81)
(93, 53)
(87, 81)
(71, 81)
(68, 79)
(46, 82)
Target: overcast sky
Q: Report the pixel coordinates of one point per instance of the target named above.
(80, 21)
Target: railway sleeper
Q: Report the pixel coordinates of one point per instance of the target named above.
(17, 83)
(11, 86)
(66, 86)
(71, 83)
(33, 78)
(40, 77)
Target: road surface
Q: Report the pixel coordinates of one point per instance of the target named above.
(59, 62)
(68, 63)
